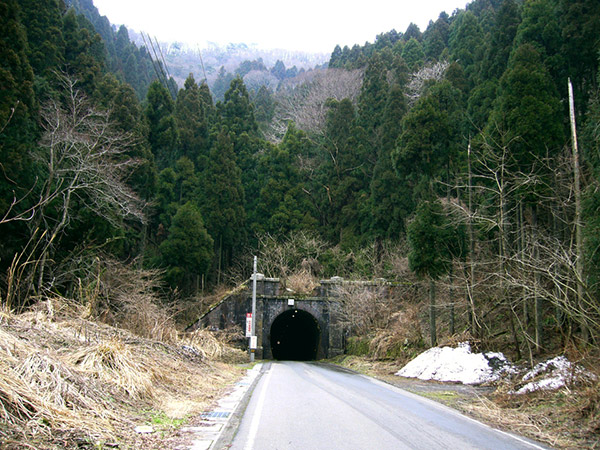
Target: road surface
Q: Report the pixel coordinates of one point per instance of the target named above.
(316, 406)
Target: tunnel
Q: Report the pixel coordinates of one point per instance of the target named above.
(295, 336)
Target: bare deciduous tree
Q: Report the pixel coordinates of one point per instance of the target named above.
(13, 215)
(84, 158)
(291, 254)
(498, 185)
(418, 80)
(548, 267)
(305, 103)
(526, 263)
(365, 306)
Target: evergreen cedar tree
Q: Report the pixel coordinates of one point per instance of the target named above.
(375, 174)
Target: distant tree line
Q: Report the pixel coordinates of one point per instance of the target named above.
(122, 57)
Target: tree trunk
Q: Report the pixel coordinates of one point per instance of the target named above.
(471, 277)
(432, 314)
(57, 230)
(451, 297)
(521, 228)
(539, 330)
(585, 332)
(220, 259)
(515, 336)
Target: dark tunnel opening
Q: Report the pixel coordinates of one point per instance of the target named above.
(295, 336)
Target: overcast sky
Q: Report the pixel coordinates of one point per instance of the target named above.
(309, 25)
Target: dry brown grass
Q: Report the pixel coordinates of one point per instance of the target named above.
(130, 297)
(401, 339)
(545, 416)
(217, 345)
(113, 362)
(456, 339)
(42, 395)
(369, 366)
(524, 421)
(68, 382)
(302, 282)
(568, 417)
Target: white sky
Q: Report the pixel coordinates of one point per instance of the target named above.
(308, 25)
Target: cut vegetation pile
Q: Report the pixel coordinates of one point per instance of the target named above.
(67, 382)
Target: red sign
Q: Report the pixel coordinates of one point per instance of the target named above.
(248, 324)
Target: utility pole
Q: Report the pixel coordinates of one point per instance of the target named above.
(578, 228)
(471, 282)
(253, 336)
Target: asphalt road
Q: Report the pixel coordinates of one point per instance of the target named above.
(315, 406)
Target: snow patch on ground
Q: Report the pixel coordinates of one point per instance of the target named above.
(551, 374)
(457, 365)
(461, 365)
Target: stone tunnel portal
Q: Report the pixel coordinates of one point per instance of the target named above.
(295, 336)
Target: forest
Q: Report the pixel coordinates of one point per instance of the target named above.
(444, 159)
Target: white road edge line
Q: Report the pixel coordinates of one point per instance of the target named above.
(258, 412)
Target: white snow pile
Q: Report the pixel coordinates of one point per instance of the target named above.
(462, 366)
(552, 374)
(457, 365)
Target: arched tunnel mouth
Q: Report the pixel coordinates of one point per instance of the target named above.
(295, 336)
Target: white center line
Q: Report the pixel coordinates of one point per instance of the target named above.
(257, 412)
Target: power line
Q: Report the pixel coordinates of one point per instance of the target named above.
(162, 69)
(162, 57)
(202, 63)
(174, 94)
(164, 80)
(154, 63)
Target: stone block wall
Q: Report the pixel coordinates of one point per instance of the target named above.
(231, 311)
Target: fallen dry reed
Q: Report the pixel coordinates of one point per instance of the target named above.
(69, 382)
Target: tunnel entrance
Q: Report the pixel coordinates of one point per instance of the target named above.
(295, 336)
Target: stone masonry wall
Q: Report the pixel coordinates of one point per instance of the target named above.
(231, 311)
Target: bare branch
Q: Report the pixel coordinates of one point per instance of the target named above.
(85, 156)
(304, 103)
(418, 80)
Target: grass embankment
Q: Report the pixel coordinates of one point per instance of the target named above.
(568, 418)
(67, 382)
